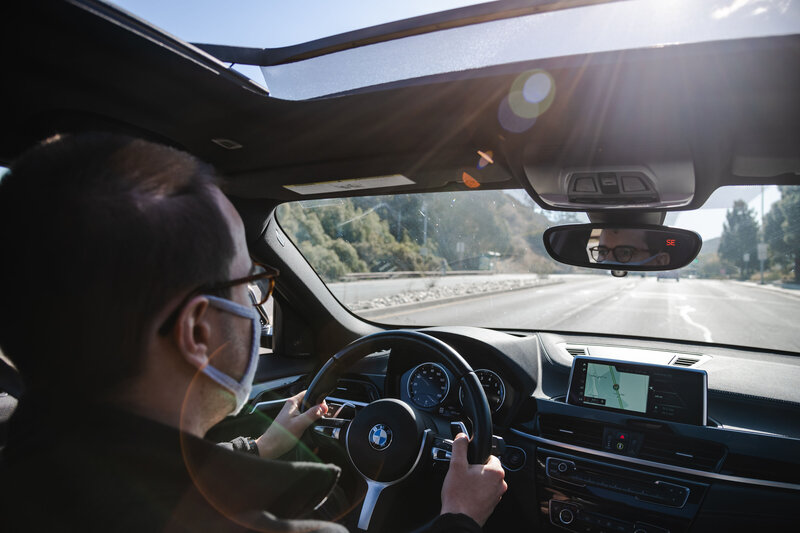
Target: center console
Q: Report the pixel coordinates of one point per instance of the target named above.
(627, 414)
(586, 496)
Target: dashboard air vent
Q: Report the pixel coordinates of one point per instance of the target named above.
(576, 350)
(689, 453)
(571, 430)
(685, 361)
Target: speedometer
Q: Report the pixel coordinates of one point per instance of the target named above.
(428, 385)
(493, 387)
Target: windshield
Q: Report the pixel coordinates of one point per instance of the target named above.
(477, 258)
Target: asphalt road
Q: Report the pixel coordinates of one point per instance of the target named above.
(726, 312)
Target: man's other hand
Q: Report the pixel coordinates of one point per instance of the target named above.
(284, 432)
(473, 490)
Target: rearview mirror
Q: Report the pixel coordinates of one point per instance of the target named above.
(614, 247)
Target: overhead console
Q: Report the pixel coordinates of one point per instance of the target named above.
(622, 170)
(595, 188)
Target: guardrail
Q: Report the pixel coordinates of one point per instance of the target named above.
(356, 276)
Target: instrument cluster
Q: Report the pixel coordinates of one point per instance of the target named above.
(429, 386)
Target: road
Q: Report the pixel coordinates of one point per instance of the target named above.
(714, 311)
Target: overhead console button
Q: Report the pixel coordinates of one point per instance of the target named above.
(584, 184)
(608, 183)
(633, 184)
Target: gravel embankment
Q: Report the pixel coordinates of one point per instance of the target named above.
(446, 292)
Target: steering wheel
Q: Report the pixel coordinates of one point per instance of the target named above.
(388, 440)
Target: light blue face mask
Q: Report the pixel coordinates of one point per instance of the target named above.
(240, 389)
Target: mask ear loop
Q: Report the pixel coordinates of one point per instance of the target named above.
(242, 388)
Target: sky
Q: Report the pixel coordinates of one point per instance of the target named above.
(708, 220)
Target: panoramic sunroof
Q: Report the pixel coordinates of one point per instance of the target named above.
(262, 24)
(591, 29)
(563, 32)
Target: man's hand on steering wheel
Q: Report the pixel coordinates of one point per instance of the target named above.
(287, 428)
(473, 490)
(388, 440)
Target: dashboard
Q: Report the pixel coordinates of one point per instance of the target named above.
(577, 467)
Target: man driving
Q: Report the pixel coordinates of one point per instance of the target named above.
(127, 314)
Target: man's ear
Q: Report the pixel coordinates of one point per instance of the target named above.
(192, 332)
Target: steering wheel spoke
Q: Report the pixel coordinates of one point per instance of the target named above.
(374, 489)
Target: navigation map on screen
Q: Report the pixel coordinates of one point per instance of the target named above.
(605, 385)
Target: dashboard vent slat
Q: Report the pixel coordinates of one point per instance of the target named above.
(571, 430)
(659, 447)
(576, 350)
(685, 361)
(691, 453)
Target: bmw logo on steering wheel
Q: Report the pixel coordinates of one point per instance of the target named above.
(380, 437)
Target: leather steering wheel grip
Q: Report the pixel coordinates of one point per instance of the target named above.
(475, 402)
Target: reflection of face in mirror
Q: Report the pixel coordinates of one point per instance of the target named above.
(633, 247)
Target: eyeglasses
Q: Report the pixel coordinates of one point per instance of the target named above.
(622, 253)
(263, 277)
(261, 283)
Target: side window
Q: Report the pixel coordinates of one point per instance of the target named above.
(3, 171)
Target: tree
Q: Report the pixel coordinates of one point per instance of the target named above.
(782, 230)
(740, 237)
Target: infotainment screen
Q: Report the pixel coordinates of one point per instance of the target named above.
(655, 391)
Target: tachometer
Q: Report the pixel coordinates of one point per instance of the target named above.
(428, 385)
(493, 387)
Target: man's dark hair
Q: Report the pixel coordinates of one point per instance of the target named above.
(98, 232)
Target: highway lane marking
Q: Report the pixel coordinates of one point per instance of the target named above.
(684, 311)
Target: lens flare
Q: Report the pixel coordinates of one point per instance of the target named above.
(530, 95)
(487, 158)
(537, 87)
(469, 181)
(510, 120)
